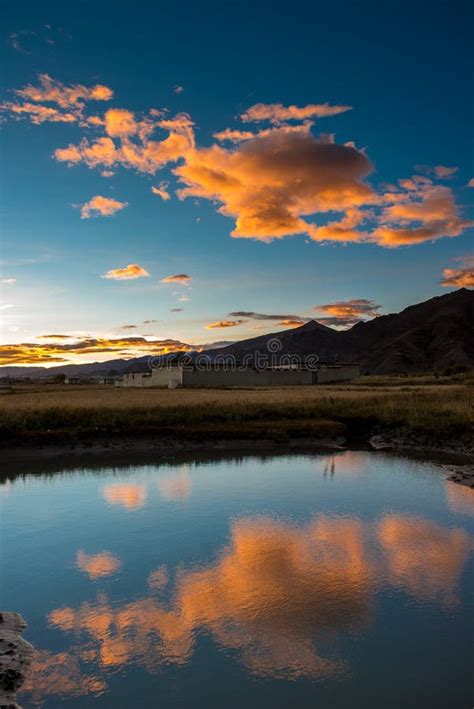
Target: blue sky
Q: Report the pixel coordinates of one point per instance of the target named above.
(406, 70)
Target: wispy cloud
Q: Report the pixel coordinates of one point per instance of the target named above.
(277, 112)
(178, 89)
(224, 323)
(162, 191)
(181, 278)
(264, 316)
(8, 281)
(233, 135)
(55, 337)
(69, 101)
(127, 273)
(439, 172)
(103, 206)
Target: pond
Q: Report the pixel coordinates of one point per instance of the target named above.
(303, 580)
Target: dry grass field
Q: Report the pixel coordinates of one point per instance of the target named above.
(422, 404)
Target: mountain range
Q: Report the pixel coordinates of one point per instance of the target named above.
(435, 335)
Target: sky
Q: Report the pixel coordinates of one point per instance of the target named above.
(191, 173)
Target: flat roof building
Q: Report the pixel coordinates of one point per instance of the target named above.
(220, 376)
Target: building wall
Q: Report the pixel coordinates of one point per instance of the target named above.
(246, 378)
(160, 377)
(163, 376)
(135, 379)
(221, 377)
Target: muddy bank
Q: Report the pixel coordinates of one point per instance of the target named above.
(15, 658)
(168, 447)
(406, 438)
(462, 474)
(232, 436)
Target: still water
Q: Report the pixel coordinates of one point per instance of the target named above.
(312, 580)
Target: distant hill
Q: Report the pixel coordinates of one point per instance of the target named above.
(431, 336)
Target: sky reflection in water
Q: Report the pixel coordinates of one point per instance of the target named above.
(285, 565)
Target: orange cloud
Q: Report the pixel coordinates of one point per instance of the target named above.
(290, 323)
(460, 277)
(182, 278)
(52, 91)
(224, 323)
(145, 155)
(273, 183)
(348, 312)
(269, 183)
(427, 214)
(51, 352)
(128, 273)
(120, 123)
(162, 191)
(97, 565)
(234, 136)
(37, 113)
(70, 101)
(132, 496)
(105, 206)
(276, 112)
(471, 182)
(343, 230)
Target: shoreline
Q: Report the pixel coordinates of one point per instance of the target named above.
(457, 453)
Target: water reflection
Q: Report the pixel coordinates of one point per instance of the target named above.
(97, 565)
(349, 463)
(460, 498)
(423, 558)
(177, 486)
(274, 593)
(128, 495)
(59, 674)
(158, 578)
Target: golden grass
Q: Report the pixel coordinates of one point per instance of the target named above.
(435, 408)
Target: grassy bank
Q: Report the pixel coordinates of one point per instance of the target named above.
(443, 410)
